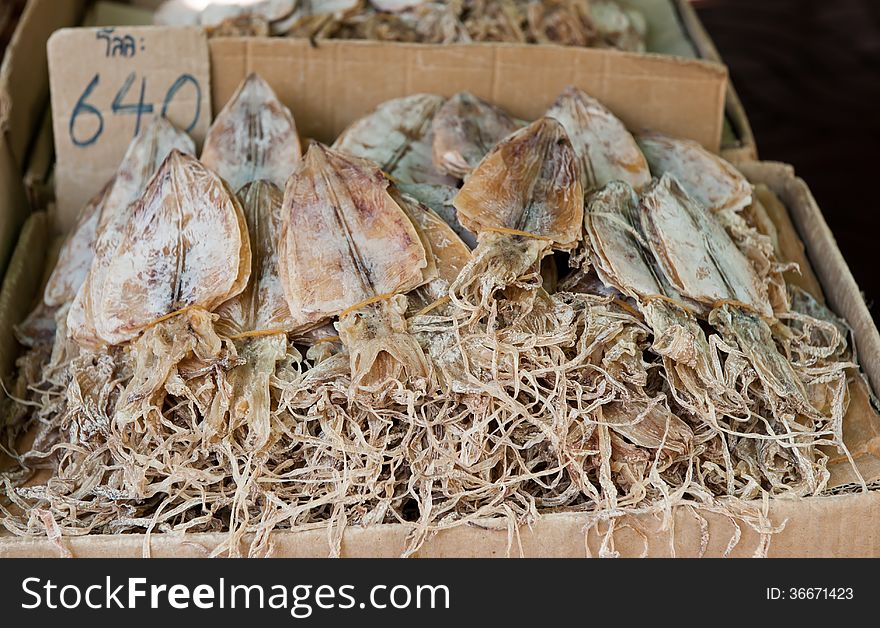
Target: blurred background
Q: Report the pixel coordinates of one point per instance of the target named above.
(808, 74)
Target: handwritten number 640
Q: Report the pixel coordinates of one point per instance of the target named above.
(83, 110)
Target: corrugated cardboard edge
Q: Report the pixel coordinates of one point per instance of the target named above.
(840, 287)
(833, 526)
(13, 201)
(817, 527)
(746, 148)
(24, 76)
(22, 283)
(481, 68)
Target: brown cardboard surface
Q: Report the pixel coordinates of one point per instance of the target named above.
(830, 526)
(24, 80)
(99, 79)
(13, 203)
(332, 84)
(818, 527)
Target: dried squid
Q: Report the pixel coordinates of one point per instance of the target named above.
(257, 320)
(185, 251)
(665, 369)
(446, 251)
(347, 249)
(398, 136)
(619, 252)
(142, 159)
(524, 199)
(707, 178)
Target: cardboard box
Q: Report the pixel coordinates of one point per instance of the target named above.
(327, 87)
(833, 526)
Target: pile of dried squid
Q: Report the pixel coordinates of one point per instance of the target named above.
(449, 314)
(586, 23)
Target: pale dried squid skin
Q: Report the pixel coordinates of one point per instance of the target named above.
(215, 14)
(618, 255)
(76, 254)
(397, 136)
(253, 138)
(530, 182)
(621, 259)
(439, 198)
(447, 252)
(450, 253)
(396, 5)
(262, 306)
(143, 157)
(619, 27)
(343, 238)
(186, 246)
(707, 178)
(605, 148)
(697, 255)
(465, 129)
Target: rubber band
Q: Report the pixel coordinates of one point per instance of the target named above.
(433, 306)
(665, 299)
(326, 339)
(257, 333)
(515, 232)
(365, 303)
(164, 318)
(626, 306)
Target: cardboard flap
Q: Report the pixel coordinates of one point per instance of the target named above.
(23, 77)
(330, 85)
(105, 84)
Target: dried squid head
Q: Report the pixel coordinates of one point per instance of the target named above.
(605, 148)
(754, 339)
(160, 359)
(465, 129)
(650, 425)
(707, 178)
(398, 137)
(253, 138)
(380, 345)
(524, 199)
(143, 157)
(696, 254)
(186, 246)
(346, 247)
(258, 320)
